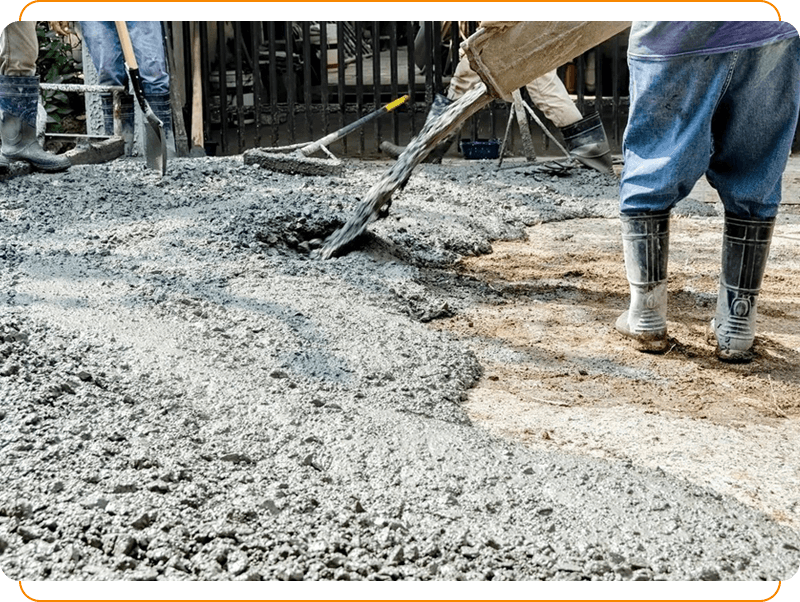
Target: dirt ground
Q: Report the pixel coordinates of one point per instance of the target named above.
(575, 384)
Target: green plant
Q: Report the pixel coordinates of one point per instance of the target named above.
(55, 65)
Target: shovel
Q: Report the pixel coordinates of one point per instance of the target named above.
(297, 159)
(155, 143)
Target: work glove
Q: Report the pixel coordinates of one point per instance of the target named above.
(60, 27)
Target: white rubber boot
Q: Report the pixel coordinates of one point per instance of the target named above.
(645, 244)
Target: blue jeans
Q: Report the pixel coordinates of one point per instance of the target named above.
(148, 48)
(730, 116)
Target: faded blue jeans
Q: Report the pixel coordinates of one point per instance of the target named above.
(148, 48)
(730, 116)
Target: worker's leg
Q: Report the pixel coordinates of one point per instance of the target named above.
(18, 52)
(753, 129)
(585, 138)
(667, 142)
(102, 43)
(19, 49)
(148, 46)
(551, 97)
(667, 146)
(19, 100)
(463, 79)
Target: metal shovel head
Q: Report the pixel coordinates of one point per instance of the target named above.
(155, 142)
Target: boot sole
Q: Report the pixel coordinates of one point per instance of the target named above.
(729, 356)
(646, 342)
(735, 357)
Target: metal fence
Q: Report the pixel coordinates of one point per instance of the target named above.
(277, 83)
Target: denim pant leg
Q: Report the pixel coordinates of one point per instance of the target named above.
(103, 46)
(148, 48)
(753, 129)
(667, 142)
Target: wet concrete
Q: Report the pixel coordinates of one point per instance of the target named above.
(186, 394)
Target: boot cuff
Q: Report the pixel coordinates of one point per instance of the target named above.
(588, 123)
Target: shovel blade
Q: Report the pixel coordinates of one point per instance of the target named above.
(155, 142)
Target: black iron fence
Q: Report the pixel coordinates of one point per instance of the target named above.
(277, 83)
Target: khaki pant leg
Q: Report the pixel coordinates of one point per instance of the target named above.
(463, 80)
(551, 98)
(19, 49)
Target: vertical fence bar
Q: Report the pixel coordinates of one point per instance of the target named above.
(428, 62)
(206, 76)
(291, 81)
(376, 75)
(272, 80)
(412, 76)
(323, 69)
(394, 77)
(307, 77)
(255, 41)
(237, 40)
(360, 80)
(580, 63)
(598, 80)
(223, 86)
(340, 68)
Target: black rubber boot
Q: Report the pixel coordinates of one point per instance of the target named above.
(163, 110)
(645, 244)
(586, 141)
(745, 247)
(125, 117)
(19, 100)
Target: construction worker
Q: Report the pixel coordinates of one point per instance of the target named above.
(147, 40)
(585, 138)
(713, 98)
(19, 100)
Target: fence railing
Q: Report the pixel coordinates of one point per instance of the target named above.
(276, 83)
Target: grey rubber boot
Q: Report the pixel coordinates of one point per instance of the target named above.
(438, 106)
(586, 141)
(745, 247)
(163, 110)
(19, 99)
(645, 244)
(125, 116)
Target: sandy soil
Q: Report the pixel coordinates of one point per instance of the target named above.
(575, 384)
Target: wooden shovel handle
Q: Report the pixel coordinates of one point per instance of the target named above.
(125, 42)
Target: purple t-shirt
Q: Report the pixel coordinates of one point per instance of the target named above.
(661, 39)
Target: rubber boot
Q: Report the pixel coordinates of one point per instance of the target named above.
(438, 106)
(19, 100)
(125, 116)
(586, 141)
(645, 244)
(745, 247)
(163, 110)
(4, 165)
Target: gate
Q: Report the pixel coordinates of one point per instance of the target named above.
(268, 83)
